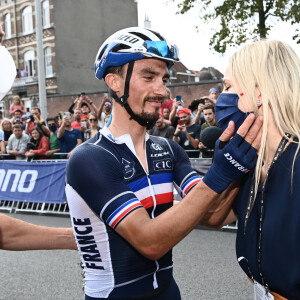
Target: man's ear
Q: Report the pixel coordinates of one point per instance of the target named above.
(113, 81)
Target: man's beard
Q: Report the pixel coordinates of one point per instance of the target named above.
(149, 117)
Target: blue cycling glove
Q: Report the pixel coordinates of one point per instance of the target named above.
(231, 162)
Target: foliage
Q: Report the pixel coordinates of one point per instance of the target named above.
(241, 20)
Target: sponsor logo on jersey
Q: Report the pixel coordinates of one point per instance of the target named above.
(16, 180)
(159, 154)
(163, 164)
(235, 163)
(128, 168)
(156, 147)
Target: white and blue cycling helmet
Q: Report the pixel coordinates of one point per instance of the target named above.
(132, 44)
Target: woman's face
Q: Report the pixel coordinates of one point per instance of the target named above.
(35, 134)
(244, 104)
(6, 126)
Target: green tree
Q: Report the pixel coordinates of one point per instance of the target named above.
(242, 20)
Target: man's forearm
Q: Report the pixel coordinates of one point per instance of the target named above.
(60, 132)
(19, 235)
(194, 142)
(157, 236)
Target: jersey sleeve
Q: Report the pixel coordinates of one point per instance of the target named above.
(185, 178)
(95, 176)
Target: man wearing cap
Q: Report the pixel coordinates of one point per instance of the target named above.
(121, 201)
(187, 134)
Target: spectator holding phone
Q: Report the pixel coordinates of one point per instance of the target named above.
(187, 134)
(68, 137)
(199, 117)
(104, 110)
(77, 118)
(36, 120)
(82, 101)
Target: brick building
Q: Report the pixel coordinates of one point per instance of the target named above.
(72, 34)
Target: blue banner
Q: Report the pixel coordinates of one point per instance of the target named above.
(39, 181)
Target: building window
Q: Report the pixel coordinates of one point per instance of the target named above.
(27, 24)
(48, 62)
(7, 26)
(46, 14)
(29, 63)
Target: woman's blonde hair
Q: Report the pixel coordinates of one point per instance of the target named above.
(17, 97)
(274, 68)
(6, 120)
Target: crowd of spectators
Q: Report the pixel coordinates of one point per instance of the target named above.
(188, 125)
(28, 136)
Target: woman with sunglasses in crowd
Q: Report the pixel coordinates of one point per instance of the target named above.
(38, 145)
(93, 128)
(264, 78)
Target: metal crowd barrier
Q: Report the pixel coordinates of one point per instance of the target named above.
(63, 209)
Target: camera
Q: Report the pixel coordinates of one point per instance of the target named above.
(67, 114)
(202, 101)
(31, 118)
(83, 124)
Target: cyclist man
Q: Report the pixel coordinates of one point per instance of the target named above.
(121, 201)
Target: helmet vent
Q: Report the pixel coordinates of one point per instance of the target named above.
(140, 35)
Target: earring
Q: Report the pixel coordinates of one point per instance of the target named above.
(258, 104)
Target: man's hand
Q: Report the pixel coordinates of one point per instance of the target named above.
(201, 146)
(235, 156)
(36, 120)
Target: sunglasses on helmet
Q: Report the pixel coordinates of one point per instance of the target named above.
(162, 49)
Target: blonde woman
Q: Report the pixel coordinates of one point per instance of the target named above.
(6, 127)
(264, 77)
(93, 126)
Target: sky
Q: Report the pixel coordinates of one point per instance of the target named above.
(194, 45)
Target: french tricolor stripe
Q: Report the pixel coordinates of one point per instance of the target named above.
(160, 199)
(122, 211)
(189, 184)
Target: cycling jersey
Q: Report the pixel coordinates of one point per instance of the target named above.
(105, 183)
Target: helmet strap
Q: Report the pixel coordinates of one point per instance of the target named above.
(123, 100)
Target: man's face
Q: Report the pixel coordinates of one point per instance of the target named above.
(85, 110)
(107, 107)
(18, 132)
(35, 112)
(209, 115)
(186, 118)
(17, 115)
(166, 113)
(147, 88)
(160, 122)
(77, 115)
